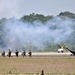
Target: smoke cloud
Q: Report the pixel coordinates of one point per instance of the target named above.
(19, 35)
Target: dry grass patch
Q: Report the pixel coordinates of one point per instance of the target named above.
(35, 65)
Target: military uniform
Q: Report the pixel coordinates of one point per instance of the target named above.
(30, 53)
(16, 53)
(3, 53)
(9, 53)
(23, 53)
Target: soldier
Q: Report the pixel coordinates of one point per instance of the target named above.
(9, 53)
(16, 53)
(30, 53)
(23, 53)
(3, 53)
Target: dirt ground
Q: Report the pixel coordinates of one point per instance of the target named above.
(61, 63)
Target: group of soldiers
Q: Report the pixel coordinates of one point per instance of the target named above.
(16, 53)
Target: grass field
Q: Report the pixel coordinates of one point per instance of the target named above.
(36, 64)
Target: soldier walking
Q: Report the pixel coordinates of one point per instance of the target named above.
(23, 53)
(30, 53)
(3, 53)
(9, 53)
(16, 52)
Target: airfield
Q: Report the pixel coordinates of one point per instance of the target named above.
(51, 54)
(43, 54)
(53, 63)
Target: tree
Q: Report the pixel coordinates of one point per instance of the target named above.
(67, 14)
(33, 17)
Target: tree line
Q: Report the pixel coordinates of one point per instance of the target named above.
(33, 17)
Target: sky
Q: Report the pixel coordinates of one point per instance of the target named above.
(19, 8)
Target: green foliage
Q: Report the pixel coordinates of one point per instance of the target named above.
(33, 17)
(67, 14)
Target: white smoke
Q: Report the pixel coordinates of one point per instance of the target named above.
(19, 35)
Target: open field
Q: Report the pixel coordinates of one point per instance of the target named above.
(50, 63)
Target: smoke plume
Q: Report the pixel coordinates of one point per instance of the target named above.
(19, 35)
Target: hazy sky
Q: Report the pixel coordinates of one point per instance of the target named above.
(18, 8)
